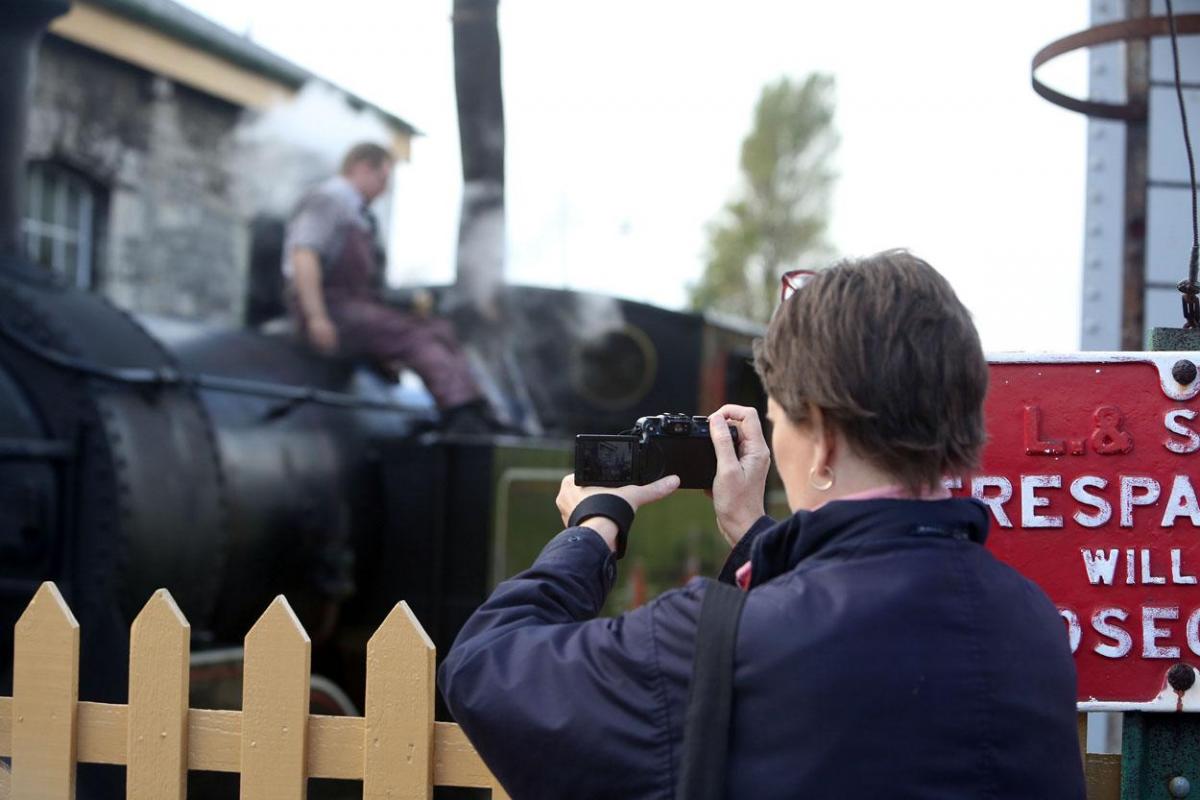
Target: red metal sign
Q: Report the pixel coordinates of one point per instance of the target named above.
(1091, 478)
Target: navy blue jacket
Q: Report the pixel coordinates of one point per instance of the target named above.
(882, 652)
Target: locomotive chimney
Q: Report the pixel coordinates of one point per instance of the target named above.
(22, 23)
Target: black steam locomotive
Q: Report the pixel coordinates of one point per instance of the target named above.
(231, 466)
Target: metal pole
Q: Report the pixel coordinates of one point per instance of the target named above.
(1133, 283)
(480, 272)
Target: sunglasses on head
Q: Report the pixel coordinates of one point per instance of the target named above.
(793, 281)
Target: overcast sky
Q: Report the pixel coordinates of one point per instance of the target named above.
(624, 121)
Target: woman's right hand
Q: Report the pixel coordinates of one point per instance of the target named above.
(741, 478)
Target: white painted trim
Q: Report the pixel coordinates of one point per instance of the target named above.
(1168, 700)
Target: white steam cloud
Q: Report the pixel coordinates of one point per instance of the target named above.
(283, 150)
(596, 316)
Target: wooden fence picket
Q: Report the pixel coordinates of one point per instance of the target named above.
(398, 736)
(159, 648)
(45, 698)
(275, 694)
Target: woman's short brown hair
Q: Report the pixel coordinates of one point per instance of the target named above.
(888, 353)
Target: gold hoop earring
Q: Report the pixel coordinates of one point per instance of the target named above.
(828, 482)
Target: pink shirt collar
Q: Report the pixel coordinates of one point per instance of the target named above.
(895, 491)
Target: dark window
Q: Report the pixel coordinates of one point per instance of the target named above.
(63, 223)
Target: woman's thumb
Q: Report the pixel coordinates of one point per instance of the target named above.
(660, 488)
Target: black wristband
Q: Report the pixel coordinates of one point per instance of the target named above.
(611, 506)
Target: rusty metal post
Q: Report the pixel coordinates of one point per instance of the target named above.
(1137, 132)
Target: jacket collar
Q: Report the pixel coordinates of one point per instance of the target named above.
(806, 533)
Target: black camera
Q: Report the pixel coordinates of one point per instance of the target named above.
(666, 444)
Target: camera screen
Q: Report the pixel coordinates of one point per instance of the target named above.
(604, 460)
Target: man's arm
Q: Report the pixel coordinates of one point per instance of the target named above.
(306, 278)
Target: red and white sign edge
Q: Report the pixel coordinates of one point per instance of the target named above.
(1162, 361)
(1167, 700)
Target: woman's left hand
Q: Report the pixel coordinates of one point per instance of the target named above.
(570, 495)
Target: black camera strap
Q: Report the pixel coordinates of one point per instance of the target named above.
(612, 506)
(702, 773)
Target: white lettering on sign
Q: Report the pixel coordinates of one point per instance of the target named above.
(1193, 632)
(1150, 492)
(1074, 630)
(1100, 566)
(1124, 642)
(996, 501)
(1103, 512)
(1030, 501)
(1094, 509)
(1151, 633)
(1147, 576)
(1118, 642)
(1172, 423)
(1182, 503)
(1177, 575)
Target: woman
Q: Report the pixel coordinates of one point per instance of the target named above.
(882, 651)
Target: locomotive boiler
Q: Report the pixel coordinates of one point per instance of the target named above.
(233, 465)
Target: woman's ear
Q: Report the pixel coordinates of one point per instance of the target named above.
(825, 443)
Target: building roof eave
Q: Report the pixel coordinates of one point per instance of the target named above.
(194, 29)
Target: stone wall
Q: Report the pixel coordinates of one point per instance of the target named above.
(176, 240)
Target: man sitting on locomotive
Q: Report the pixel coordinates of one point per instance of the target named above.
(335, 268)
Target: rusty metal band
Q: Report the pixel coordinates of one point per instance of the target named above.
(1141, 28)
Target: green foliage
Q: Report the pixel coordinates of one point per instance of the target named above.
(778, 220)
